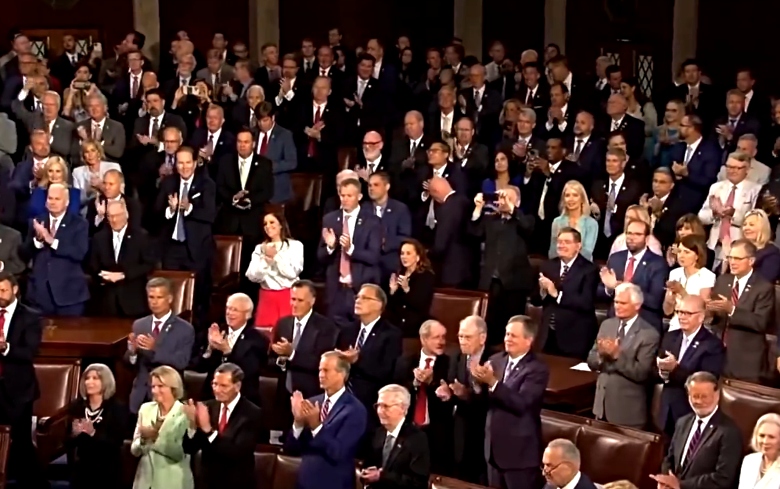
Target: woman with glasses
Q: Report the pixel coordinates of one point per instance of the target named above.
(756, 229)
(761, 469)
(690, 278)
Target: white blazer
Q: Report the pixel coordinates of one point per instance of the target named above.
(749, 474)
(744, 201)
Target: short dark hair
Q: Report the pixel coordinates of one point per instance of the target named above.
(529, 326)
(576, 235)
(611, 69)
(308, 284)
(562, 86)
(354, 182)
(696, 244)
(188, 149)
(155, 91)
(264, 109)
(749, 247)
(690, 62)
(9, 277)
(445, 147)
(559, 59)
(533, 64)
(381, 174)
(703, 376)
(246, 130)
(139, 39)
(366, 57)
(236, 374)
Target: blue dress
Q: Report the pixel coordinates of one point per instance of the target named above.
(38, 202)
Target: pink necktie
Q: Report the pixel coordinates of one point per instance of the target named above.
(344, 266)
(725, 223)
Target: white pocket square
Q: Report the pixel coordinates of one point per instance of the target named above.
(195, 196)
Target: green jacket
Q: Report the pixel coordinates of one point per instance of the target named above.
(163, 464)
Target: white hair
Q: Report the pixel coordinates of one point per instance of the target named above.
(569, 450)
(400, 392)
(239, 296)
(476, 321)
(634, 292)
(425, 328)
(63, 188)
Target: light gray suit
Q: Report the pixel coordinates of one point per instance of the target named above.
(173, 348)
(113, 138)
(62, 133)
(10, 243)
(8, 142)
(621, 388)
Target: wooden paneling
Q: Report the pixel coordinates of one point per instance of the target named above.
(200, 18)
(519, 24)
(734, 35)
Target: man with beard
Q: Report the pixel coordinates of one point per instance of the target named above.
(396, 221)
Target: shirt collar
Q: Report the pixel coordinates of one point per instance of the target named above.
(99, 123)
(216, 135)
(304, 320)
(416, 141)
(573, 483)
(335, 397)
(231, 405)
(637, 257)
(692, 335)
(369, 326)
(618, 183)
(164, 318)
(121, 232)
(58, 219)
(188, 181)
(352, 214)
(554, 167)
(236, 333)
(569, 263)
(695, 144)
(512, 362)
(568, 81)
(705, 420)
(376, 161)
(9, 311)
(424, 357)
(629, 323)
(618, 121)
(565, 109)
(396, 430)
(584, 140)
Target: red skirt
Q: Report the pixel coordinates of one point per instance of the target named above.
(272, 305)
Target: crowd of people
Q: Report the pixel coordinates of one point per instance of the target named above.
(594, 199)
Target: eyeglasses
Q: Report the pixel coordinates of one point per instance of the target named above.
(371, 143)
(735, 167)
(737, 258)
(682, 313)
(365, 298)
(549, 469)
(385, 407)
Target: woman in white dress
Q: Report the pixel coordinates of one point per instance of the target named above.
(89, 177)
(761, 470)
(690, 278)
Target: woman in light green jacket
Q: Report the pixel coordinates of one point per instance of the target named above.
(158, 436)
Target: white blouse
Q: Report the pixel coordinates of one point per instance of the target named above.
(82, 176)
(750, 473)
(283, 271)
(703, 279)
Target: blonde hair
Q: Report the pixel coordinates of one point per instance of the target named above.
(94, 144)
(54, 160)
(641, 214)
(170, 378)
(769, 418)
(764, 228)
(624, 484)
(577, 187)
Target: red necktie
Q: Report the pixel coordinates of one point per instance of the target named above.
(264, 143)
(629, 270)
(313, 142)
(223, 420)
(156, 328)
(421, 407)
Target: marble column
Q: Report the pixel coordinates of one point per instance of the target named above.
(685, 33)
(146, 20)
(555, 24)
(263, 25)
(467, 25)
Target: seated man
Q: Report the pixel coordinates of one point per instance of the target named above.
(561, 466)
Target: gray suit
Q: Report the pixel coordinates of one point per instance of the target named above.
(113, 138)
(63, 142)
(172, 348)
(621, 388)
(8, 141)
(10, 243)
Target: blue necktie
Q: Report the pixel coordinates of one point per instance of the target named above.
(181, 234)
(361, 338)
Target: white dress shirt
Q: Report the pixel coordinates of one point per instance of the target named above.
(321, 107)
(287, 96)
(302, 322)
(446, 122)
(373, 165)
(283, 271)
(333, 400)
(377, 68)
(170, 215)
(118, 236)
(704, 422)
(748, 98)
(421, 366)
(368, 328)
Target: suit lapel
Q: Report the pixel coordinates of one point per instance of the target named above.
(123, 246)
(500, 367)
(165, 328)
(682, 436)
(633, 331)
(396, 446)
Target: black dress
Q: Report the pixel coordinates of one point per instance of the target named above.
(409, 311)
(95, 462)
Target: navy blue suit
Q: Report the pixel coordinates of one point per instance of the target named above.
(223, 146)
(704, 353)
(57, 284)
(396, 227)
(703, 171)
(650, 274)
(328, 459)
(364, 262)
(7, 198)
(281, 151)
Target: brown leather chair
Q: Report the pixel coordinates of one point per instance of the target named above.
(745, 403)
(183, 284)
(609, 452)
(272, 420)
(302, 211)
(193, 384)
(5, 446)
(450, 306)
(441, 482)
(225, 272)
(59, 385)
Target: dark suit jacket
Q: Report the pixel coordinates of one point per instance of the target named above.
(326, 149)
(136, 259)
(396, 227)
(710, 101)
(591, 160)
(10, 247)
(202, 196)
(408, 466)
(25, 331)
(282, 153)
(450, 252)
(703, 171)
(650, 275)
(433, 122)
(632, 128)
(744, 332)
(375, 366)
(513, 431)
(746, 124)
(473, 165)
(63, 133)
(716, 463)
(575, 313)
(232, 220)
(373, 113)
(674, 208)
(453, 173)
(485, 116)
(58, 272)
(532, 191)
(404, 167)
(410, 310)
(224, 146)
(628, 194)
(143, 125)
(229, 461)
(541, 99)
(319, 336)
(469, 417)
(439, 412)
(365, 259)
(133, 210)
(705, 353)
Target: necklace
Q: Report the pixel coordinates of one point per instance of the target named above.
(95, 416)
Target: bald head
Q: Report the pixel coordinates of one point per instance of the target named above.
(149, 80)
(529, 56)
(439, 188)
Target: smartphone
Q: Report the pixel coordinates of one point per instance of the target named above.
(81, 85)
(533, 154)
(190, 90)
(490, 197)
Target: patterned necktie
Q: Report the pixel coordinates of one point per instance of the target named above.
(529, 97)
(694, 444)
(615, 125)
(610, 207)
(155, 127)
(511, 371)
(387, 448)
(732, 123)
(134, 88)
(325, 410)
(312, 152)
(97, 133)
(181, 233)
(578, 149)
(621, 331)
(725, 222)
(421, 405)
(53, 227)
(156, 328)
(361, 338)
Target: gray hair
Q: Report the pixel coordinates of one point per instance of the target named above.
(117, 203)
(745, 137)
(240, 296)
(106, 380)
(476, 321)
(62, 187)
(528, 113)
(256, 88)
(740, 156)
(161, 283)
(665, 170)
(529, 328)
(400, 392)
(425, 328)
(99, 96)
(342, 365)
(702, 377)
(416, 114)
(55, 95)
(634, 292)
(236, 374)
(569, 450)
(380, 294)
(176, 130)
(604, 59)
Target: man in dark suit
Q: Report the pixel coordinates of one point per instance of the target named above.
(325, 66)
(422, 373)
(666, 206)
(450, 251)
(579, 93)
(161, 338)
(482, 105)
(559, 119)
(399, 457)
(10, 247)
(587, 149)
(238, 342)
(639, 266)
(371, 345)
(632, 128)
(127, 95)
(696, 163)
(700, 98)
(567, 293)
(366, 105)
(384, 70)
(736, 123)
(61, 131)
(527, 145)
(407, 155)
(21, 329)
(351, 250)
(57, 244)
(226, 431)
(561, 463)
(470, 156)
(337, 419)
(757, 104)
(65, 65)
(706, 448)
(534, 91)
(442, 118)
(214, 142)
(396, 222)
(439, 166)
(516, 380)
(113, 190)
(299, 342)
(277, 144)
(292, 94)
(120, 259)
(506, 272)
(743, 304)
(692, 348)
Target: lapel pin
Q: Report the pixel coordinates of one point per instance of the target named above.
(241, 337)
(359, 221)
(644, 263)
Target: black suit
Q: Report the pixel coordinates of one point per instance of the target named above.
(674, 207)
(716, 462)
(134, 214)
(404, 167)
(473, 165)
(591, 159)
(633, 130)
(229, 460)
(574, 315)
(375, 366)
(709, 104)
(260, 187)
(433, 122)
(408, 466)
(410, 310)
(745, 124)
(485, 115)
(371, 115)
(143, 126)
(540, 101)
(450, 252)
(126, 298)
(439, 413)
(628, 194)
(223, 147)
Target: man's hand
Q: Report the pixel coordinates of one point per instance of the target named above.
(285, 86)
(283, 348)
(144, 139)
(329, 237)
(608, 278)
(350, 355)
(146, 342)
(460, 390)
(667, 481)
(311, 414)
(173, 202)
(443, 392)
(148, 433)
(668, 363)
(720, 305)
(519, 149)
(296, 401)
(680, 170)
(349, 103)
(371, 475)
(345, 242)
(423, 375)
(202, 416)
(132, 343)
(82, 132)
(547, 285)
(190, 410)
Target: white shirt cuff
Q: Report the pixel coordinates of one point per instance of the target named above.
(548, 125)
(38, 244)
(493, 387)
(279, 100)
(297, 431)
(351, 249)
(558, 299)
(54, 244)
(212, 437)
(330, 250)
(168, 213)
(2, 265)
(188, 211)
(289, 95)
(7, 349)
(133, 358)
(424, 196)
(23, 94)
(315, 431)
